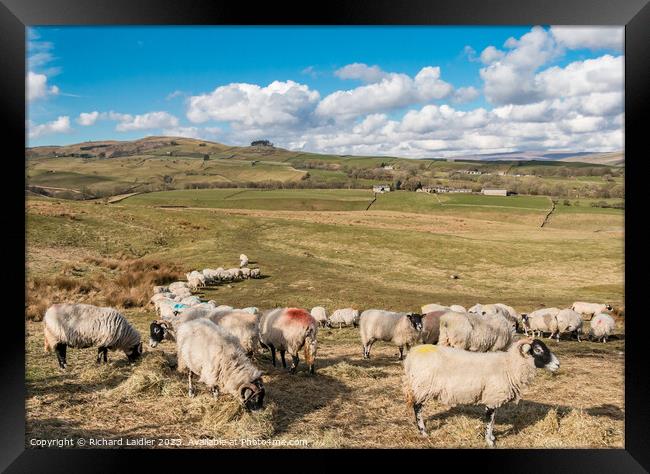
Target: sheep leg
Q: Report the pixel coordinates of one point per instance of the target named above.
(60, 349)
(284, 362)
(489, 417)
(102, 353)
(417, 409)
(401, 352)
(272, 347)
(190, 388)
(366, 349)
(294, 363)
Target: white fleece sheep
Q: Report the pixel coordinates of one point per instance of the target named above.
(83, 325)
(320, 315)
(344, 317)
(401, 329)
(588, 310)
(458, 377)
(429, 308)
(210, 352)
(540, 321)
(289, 330)
(601, 327)
(472, 332)
(568, 321)
(243, 260)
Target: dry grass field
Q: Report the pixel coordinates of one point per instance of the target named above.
(323, 248)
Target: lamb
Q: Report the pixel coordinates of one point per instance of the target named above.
(540, 321)
(402, 329)
(569, 321)
(345, 317)
(320, 315)
(454, 376)
(588, 310)
(243, 261)
(208, 351)
(473, 332)
(83, 325)
(289, 330)
(431, 327)
(602, 325)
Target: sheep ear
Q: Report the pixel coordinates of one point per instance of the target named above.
(525, 349)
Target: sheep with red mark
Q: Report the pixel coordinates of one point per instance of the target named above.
(602, 325)
(289, 330)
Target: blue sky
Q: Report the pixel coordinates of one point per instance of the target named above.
(412, 91)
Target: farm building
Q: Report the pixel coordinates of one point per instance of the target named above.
(494, 192)
(381, 188)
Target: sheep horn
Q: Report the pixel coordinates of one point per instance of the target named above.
(254, 389)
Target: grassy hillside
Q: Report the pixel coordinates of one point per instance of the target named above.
(98, 169)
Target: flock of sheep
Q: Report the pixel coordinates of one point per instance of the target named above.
(455, 356)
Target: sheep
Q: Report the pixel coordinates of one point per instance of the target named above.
(454, 376)
(245, 272)
(208, 351)
(345, 317)
(191, 300)
(320, 315)
(540, 321)
(428, 308)
(402, 329)
(289, 330)
(177, 285)
(235, 273)
(256, 273)
(83, 325)
(196, 281)
(160, 289)
(496, 310)
(588, 310)
(431, 327)
(473, 332)
(458, 308)
(243, 326)
(252, 310)
(243, 261)
(224, 307)
(602, 325)
(569, 321)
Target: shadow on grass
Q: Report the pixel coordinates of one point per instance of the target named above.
(523, 415)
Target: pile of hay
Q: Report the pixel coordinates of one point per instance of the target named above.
(153, 375)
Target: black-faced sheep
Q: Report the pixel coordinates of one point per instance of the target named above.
(402, 329)
(83, 325)
(210, 352)
(458, 377)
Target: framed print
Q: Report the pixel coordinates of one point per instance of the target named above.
(275, 232)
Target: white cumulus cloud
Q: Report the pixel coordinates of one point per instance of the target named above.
(148, 121)
(286, 103)
(60, 125)
(87, 118)
(360, 71)
(37, 87)
(590, 37)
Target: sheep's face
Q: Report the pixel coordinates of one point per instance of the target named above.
(157, 332)
(542, 356)
(252, 395)
(134, 352)
(415, 320)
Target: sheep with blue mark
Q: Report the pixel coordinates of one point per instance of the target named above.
(458, 377)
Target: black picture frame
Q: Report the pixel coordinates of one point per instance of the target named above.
(15, 15)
